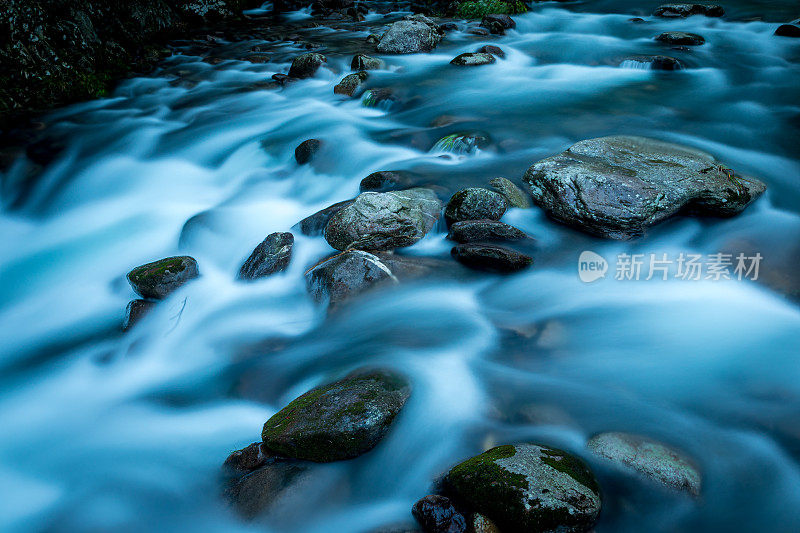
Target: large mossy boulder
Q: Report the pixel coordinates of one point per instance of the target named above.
(271, 256)
(617, 186)
(409, 37)
(338, 421)
(384, 221)
(526, 487)
(651, 458)
(158, 279)
(480, 8)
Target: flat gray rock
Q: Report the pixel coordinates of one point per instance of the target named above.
(409, 37)
(475, 203)
(617, 186)
(471, 59)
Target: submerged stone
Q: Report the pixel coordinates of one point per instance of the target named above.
(788, 30)
(492, 49)
(135, 311)
(527, 487)
(475, 203)
(473, 59)
(305, 151)
(651, 63)
(267, 487)
(461, 143)
(617, 186)
(680, 38)
(158, 279)
(338, 421)
(650, 458)
(350, 84)
(271, 256)
(381, 98)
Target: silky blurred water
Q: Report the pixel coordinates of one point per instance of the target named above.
(104, 431)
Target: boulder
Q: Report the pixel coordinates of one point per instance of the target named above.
(651, 63)
(492, 49)
(617, 186)
(436, 514)
(306, 65)
(314, 225)
(516, 197)
(475, 203)
(409, 37)
(788, 30)
(484, 230)
(135, 311)
(680, 38)
(382, 97)
(687, 10)
(267, 487)
(498, 23)
(158, 279)
(386, 180)
(650, 458)
(527, 487)
(365, 62)
(384, 221)
(271, 256)
(305, 151)
(490, 258)
(481, 524)
(470, 59)
(338, 421)
(350, 84)
(249, 458)
(373, 39)
(461, 143)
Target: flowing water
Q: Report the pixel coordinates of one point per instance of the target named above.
(108, 431)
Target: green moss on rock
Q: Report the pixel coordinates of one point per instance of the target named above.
(481, 8)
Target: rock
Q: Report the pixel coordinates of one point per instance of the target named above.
(249, 458)
(680, 38)
(409, 37)
(473, 59)
(497, 23)
(135, 311)
(271, 256)
(447, 26)
(314, 225)
(461, 143)
(436, 514)
(373, 39)
(384, 221)
(687, 10)
(280, 78)
(651, 63)
(484, 230)
(788, 30)
(158, 279)
(482, 524)
(365, 62)
(383, 98)
(648, 457)
(305, 150)
(350, 84)
(492, 49)
(637, 20)
(306, 65)
(617, 186)
(386, 180)
(338, 421)
(483, 32)
(516, 197)
(490, 258)
(475, 203)
(267, 487)
(528, 488)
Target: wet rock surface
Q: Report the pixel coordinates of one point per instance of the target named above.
(650, 458)
(490, 258)
(484, 230)
(350, 84)
(271, 256)
(470, 59)
(687, 10)
(788, 30)
(306, 65)
(526, 487)
(135, 311)
(365, 62)
(306, 150)
(267, 487)
(409, 37)
(680, 38)
(436, 514)
(515, 196)
(386, 180)
(492, 49)
(315, 224)
(158, 279)
(338, 421)
(617, 186)
(475, 203)
(653, 62)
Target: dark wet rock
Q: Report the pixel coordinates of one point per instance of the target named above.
(482, 524)
(650, 458)
(338, 421)
(490, 258)
(305, 150)
(498, 23)
(652, 63)
(687, 10)
(436, 514)
(516, 197)
(350, 84)
(271, 256)
(268, 487)
(314, 225)
(365, 62)
(249, 458)
(280, 78)
(447, 26)
(637, 20)
(383, 98)
(306, 65)
(526, 487)
(384, 221)
(484, 230)
(788, 30)
(158, 279)
(373, 38)
(386, 180)
(135, 311)
(492, 49)
(409, 37)
(473, 59)
(461, 143)
(680, 38)
(617, 186)
(482, 32)
(475, 203)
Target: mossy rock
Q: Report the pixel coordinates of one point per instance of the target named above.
(158, 279)
(527, 487)
(481, 8)
(338, 421)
